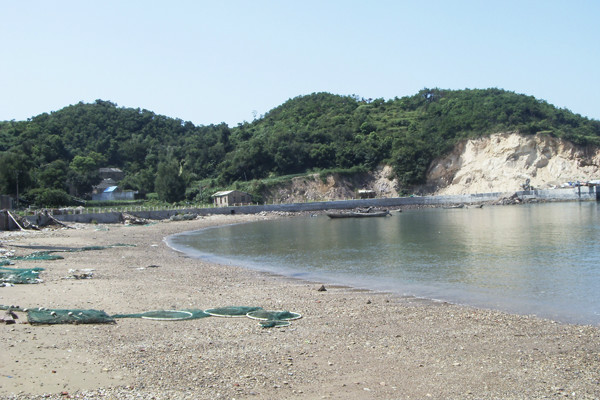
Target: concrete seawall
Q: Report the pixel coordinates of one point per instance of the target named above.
(583, 193)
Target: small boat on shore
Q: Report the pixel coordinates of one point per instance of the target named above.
(358, 214)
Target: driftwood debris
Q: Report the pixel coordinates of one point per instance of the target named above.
(59, 222)
(14, 220)
(44, 218)
(132, 219)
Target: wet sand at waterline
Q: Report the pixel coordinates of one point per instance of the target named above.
(350, 344)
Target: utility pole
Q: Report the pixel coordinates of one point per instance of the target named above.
(17, 175)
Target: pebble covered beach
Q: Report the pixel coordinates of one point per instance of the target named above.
(349, 343)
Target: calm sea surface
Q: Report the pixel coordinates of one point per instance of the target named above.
(541, 259)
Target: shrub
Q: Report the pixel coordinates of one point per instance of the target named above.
(49, 197)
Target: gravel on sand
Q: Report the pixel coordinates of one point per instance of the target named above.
(349, 344)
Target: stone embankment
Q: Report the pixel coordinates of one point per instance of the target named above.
(583, 193)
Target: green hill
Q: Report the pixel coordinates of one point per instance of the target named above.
(62, 151)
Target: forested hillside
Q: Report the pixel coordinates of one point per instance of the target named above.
(61, 152)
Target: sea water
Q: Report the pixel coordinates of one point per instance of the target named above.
(540, 259)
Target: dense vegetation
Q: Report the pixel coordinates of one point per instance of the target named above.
(53, 154)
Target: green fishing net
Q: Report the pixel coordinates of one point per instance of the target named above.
(90, 248)
(273, 324)
(268, 319)
(20, 275)
(31, 275)
(167, 315)
(273, 315)
(233, 311)
(44, 316)
(272, 319)
(46, 256)
(38, 255)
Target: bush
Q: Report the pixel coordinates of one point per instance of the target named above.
(192, 193)
(169, 183)
(49, 197)
(357, 169)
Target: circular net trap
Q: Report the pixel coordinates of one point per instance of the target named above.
(265, 315)
(274, 324)
(231, 312)
(166, 315)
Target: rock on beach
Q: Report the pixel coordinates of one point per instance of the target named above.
(349, 344)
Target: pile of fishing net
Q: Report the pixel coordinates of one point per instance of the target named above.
(37, 256)
(17, 276)
(12, 276)
(47, 316)
(45, 254)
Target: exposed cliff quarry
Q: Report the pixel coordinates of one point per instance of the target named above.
(334, 187)
(502, 162)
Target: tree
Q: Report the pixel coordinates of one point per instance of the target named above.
(49, 197)
(142, 181)
(54, 175)
(169, 184)
(83, 172)
(307, 133)
(14, 173)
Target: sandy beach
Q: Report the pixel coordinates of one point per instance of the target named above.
(350, 344)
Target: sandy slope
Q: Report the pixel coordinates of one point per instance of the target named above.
(349, 344)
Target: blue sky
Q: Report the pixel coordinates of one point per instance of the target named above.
(223, 61)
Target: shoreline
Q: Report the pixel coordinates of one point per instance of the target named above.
(350, 344)
(422, 292)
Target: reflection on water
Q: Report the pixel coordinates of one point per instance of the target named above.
(531, 259)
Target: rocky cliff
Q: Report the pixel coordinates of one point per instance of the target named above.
(334, 187)
(502, 162)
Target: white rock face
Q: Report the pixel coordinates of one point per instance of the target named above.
(503, 162)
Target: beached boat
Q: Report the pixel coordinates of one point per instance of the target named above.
(358, 214)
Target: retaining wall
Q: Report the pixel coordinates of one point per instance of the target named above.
(6, 224)
(583, 193)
